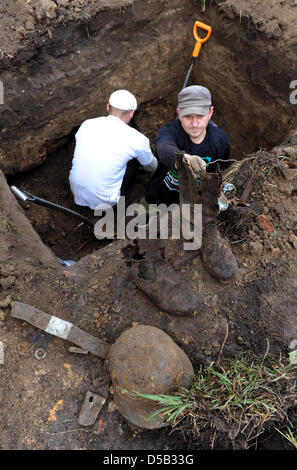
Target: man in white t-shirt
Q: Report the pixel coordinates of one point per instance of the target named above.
(104, 147)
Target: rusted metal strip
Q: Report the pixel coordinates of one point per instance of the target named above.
(60, 328)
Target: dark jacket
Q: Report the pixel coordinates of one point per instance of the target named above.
(171, 138)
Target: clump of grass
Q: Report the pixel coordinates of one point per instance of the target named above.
(85, 19)
(241, 397)
(203, 5)
(289, 436)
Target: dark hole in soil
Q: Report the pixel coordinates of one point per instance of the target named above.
(67, 236)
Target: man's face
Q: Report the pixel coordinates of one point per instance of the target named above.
(195, 124)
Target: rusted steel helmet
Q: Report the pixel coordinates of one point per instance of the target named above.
(145, 360)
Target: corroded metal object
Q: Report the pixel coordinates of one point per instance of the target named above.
(60, 328)
(145, 360)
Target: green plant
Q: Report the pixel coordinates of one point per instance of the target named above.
(85, 18)
(289, 436)
(238, 397)
(172, 405)
(275, 231)
(203, 5)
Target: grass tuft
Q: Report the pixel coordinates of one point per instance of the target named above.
(289, 436)
(241, 397)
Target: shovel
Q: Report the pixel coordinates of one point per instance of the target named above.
(199, 42)
(27, 197)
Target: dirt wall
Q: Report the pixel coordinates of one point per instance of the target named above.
(65, 72)
(61, 60)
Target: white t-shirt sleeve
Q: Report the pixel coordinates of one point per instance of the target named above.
(144, 154)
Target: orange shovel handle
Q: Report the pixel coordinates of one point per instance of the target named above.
(199, 40)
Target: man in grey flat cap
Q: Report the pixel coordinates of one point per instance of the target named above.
(200, 141)
(193, 134)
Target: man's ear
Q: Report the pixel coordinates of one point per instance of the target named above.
(107, 107)
(178, 112)
(211, 111)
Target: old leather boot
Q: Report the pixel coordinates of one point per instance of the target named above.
(216, 253)
(188, 189)
(158, 280)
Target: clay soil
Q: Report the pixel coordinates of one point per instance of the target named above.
(40, 399)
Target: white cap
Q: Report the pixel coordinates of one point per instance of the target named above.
(123, 99)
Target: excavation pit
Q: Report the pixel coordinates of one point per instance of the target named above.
(61, 72)
(241, 64)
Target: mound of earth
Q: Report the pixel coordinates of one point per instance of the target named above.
(59, 61)
(257, 313)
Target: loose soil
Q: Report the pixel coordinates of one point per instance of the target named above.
(41, 399)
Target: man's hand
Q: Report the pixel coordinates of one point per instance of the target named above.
(196, 164)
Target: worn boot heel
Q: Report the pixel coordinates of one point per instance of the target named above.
(217, 257)
(158, 280)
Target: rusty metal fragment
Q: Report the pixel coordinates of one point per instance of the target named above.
(75, 349)
(90, 409)
(60, 328)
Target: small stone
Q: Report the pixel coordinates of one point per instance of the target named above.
(275, 251)
(255, 248)
(264, 222)
(252, 235)
(45, 9)
(5, 302)
(265, 210)
(293, 240)
(293, 344)
(244, 248)
(21, 30)
(195, 276)
(7, 270)
(117, 307)
(62, 3)
(7, 282)
(211, 300)
(112, 407)
(207, 353)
